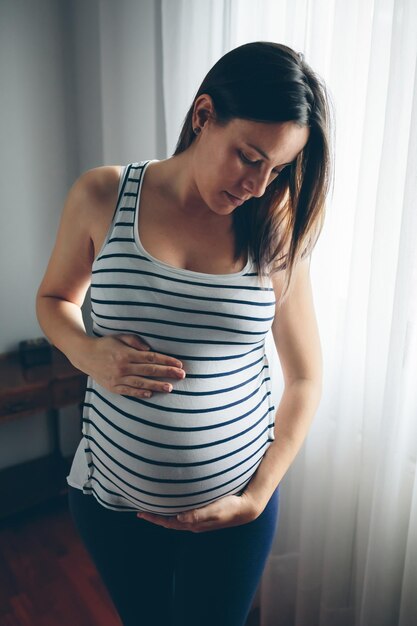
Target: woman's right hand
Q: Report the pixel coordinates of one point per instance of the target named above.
(123, 364)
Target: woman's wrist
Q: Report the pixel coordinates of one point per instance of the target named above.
(253, 504)
(63, 325)
(79, 351)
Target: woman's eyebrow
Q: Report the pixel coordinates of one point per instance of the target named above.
(264, 154)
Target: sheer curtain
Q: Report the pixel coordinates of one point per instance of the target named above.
(345, 552)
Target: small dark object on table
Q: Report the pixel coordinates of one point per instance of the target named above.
(34, 352)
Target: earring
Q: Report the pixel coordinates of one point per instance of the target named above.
(196, 130)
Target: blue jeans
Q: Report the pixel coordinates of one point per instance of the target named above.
(159, 576)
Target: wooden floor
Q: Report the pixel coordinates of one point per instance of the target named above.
(46, 575)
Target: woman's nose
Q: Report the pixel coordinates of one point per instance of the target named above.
(256, 184)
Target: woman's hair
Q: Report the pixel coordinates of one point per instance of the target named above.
(268, 82)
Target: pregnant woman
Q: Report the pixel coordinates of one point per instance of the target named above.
(174, 487)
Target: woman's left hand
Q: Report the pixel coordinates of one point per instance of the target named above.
(224, 512)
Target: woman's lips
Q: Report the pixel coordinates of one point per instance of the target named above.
(236, 201)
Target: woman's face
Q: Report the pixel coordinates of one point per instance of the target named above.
(242, 159)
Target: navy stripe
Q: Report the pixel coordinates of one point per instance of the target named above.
(171, 464)
(168, 481)
(99, 286)
(179, 324)
(177, 280)
(143, 507)
(165, 307)
(168, 409)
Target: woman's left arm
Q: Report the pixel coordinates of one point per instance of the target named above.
(297, 341)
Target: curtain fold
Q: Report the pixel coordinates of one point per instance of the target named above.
(345, 553)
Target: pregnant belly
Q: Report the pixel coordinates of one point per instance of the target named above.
(152, 457)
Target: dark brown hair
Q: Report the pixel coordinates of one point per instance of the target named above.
(268, 82)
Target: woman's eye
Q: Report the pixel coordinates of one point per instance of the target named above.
(245, 159)
(249, 162)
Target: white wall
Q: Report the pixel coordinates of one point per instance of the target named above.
(65, 109)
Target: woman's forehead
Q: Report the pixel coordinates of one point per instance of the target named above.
(271, 140)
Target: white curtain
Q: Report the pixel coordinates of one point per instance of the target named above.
(345, 551)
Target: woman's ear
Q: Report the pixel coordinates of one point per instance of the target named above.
(204, 111)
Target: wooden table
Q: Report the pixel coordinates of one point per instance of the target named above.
(26, 391)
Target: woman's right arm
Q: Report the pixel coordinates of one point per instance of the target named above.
(118, 362)
(68, 274)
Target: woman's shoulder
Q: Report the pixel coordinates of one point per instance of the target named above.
(100, 183)
(95, 192)
(92, 199)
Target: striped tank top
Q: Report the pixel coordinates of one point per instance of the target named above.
(205, 439)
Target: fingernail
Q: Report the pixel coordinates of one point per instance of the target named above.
(167, 387)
